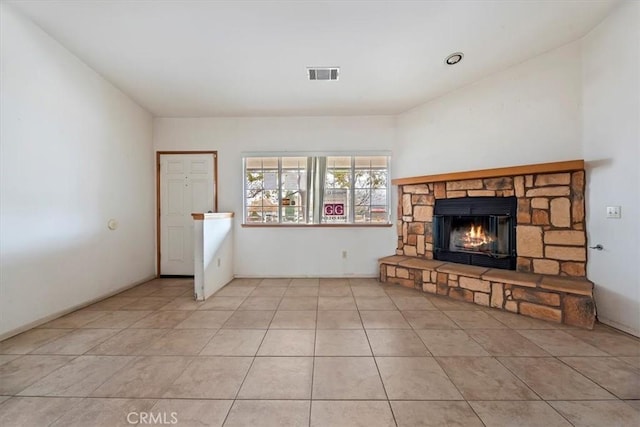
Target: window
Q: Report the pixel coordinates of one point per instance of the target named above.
(316, 190)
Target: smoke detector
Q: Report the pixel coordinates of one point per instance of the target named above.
(323, 73)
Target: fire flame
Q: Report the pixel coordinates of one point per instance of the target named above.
(476, 237)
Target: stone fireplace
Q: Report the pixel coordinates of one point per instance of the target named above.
(509, 238)
(550, 229)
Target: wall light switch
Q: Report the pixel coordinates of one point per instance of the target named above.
(613, 212)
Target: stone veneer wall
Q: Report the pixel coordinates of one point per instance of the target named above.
(551, 237)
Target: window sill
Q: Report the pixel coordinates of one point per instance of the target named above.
(261, 225)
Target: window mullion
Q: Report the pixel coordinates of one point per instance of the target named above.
(352, 192)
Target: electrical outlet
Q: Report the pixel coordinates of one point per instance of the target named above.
(614, 212)
(344, 254)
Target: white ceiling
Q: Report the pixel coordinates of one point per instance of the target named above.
(249, 58)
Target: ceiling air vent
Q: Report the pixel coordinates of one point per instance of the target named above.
(323, 73)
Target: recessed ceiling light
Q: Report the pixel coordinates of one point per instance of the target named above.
(323, 73)
(454, 58)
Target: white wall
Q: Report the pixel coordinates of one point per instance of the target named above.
(312, 251)
(529, 113)
(611, 129)
(74, 152)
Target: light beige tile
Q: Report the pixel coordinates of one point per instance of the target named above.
(171, 292)
(393, 291)
(553, 380)
(375, 303)
(468, 319)
(278, 378)
(305, 282)
(336, 303)
(235, 291)
(298, 303)
(260, 303)
(631, 360)
(525, 414)
(382, 319)
(146, 376)
(428, 320)
(118, 319)
(222, 303)
(287, 342)
(342, 342)
(396, 342)
(450, 343)
(210, 378)
(147, 303)
(412, 303)
(560, 343)
(434, 414)
(182, 303)
(517, 321)
(269, 413)
(349, 413)
(505, 342)
(162, 319)
(347, 378)
(249, 320)
(76, 342)
(407, 378)
(484, 378)
(634, 404)
(333, 282)
(74, 320)
(6, 358)
(339, 319)
(128, 341)
(79, 377)
(4, 398)
(180, 342)
(244, 282)
(609, 341)
(139, 291)
(204, 319)
(234, 342)
(28, 341)
(302, 291)
(277, 282)
(365, 281)
(269, 291)
(193, 412)
(34, 411)
(614, 375)
(334, 291)
(113, 303)
(105, 413)
(285, 319)
(18, 374)
(368, 291)
(444, 303)
(598, 413)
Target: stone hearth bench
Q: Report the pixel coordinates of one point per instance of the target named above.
(558, 299)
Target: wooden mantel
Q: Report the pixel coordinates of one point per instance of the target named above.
(566, 166)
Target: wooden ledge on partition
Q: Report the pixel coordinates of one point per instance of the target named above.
(211, 215)
(567, 166)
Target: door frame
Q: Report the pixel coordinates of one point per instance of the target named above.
(158, 194)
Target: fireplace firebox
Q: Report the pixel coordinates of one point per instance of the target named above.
(476, 231)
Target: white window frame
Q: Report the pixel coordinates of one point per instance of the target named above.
(315, 189)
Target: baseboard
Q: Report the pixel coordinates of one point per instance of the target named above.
(266, 276)
(619, 326)
(53, 316)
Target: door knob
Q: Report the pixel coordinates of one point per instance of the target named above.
(597, 247)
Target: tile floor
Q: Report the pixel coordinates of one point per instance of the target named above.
(313, 352)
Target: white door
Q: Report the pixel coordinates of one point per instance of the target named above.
(186, 186)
